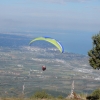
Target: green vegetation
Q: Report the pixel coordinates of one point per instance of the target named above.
(94, 61)
(94, 53)
(95, 95)
(41, 95)
(60, 97)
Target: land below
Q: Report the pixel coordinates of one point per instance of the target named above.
(21, 69)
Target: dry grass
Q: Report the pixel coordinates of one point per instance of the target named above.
(21, 97)
(33, 99)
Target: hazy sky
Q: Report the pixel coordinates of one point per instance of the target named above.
(37, 15)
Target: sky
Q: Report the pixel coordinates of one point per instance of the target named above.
(70, 21)
(37, 15)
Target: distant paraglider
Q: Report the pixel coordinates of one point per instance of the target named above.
(43, 68)
(50, 40)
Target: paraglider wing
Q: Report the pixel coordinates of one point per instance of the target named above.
(50, 40)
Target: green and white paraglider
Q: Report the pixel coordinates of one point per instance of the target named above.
(50, 40)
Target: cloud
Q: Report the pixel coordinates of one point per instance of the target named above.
(39, 15)
(62, 1)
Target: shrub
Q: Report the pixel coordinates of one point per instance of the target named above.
(96, 93)
(41, 95)
(60, 97)
(94, 96)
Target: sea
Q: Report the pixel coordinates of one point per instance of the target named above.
(78, 42)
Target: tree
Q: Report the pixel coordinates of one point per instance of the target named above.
(94, 53)
(95, 95)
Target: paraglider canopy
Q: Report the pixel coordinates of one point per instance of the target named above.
(43, 68)
(50, 40)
